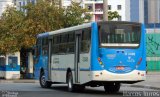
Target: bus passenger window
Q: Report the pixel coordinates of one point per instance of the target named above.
(45, 46)
(56, 41)
(62, 45)
(71, 42)
(86, 39)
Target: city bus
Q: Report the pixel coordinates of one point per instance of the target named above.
(106, 53)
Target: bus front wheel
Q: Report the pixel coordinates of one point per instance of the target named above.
(112, 88)
(71, 86)
(43, 82)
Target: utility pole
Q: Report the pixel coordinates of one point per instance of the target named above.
(105, 10)
(60, 3)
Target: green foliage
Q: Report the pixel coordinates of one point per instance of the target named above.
(112, 15)
(73, 15)
(11, 25)
(19, 29)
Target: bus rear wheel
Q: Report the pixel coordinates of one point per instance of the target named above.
(43, 82)
(112, 88)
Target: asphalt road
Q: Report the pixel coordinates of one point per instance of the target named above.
(34, 90)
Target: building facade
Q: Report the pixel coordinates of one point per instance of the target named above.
(148, 12)
(4, 4)
(95, 8)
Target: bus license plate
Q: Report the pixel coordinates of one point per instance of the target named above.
(120, 68)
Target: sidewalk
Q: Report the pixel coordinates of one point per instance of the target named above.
(152, 81)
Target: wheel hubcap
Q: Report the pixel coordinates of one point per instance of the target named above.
(69, 83)
(43, 80)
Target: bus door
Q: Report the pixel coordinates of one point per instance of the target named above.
(77, 57)
(49, 59)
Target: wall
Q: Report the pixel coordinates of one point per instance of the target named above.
(10, 69)
(153, 49)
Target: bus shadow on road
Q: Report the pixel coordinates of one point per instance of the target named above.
(86, 91)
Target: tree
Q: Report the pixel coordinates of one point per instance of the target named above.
(19, 29)
(11, 25)
(73, 15)
(112, 15)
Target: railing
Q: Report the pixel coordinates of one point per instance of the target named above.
(98, 10)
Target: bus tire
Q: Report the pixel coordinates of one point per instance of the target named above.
(43, 82)
(71, 86)
(112, 88)
(80, 88)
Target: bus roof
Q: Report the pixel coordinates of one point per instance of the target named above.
(86, 25)
(65, 30)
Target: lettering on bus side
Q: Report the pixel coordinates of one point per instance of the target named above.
(131, 54)
(111, 56)
(84, 59)
(56, 60)
(130, 59)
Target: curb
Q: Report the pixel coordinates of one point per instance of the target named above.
(143, 86)
(19, 81)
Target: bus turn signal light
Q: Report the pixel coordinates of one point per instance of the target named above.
(99, 59)
(100, 63)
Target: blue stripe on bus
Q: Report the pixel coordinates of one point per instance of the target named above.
(65, 69)
(2, 68)
(9, 68)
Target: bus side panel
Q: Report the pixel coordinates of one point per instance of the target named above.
(38, 67)
(59, 66)
(84, 66)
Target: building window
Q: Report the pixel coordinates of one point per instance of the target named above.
(119, 18)
(119, 7)
(109, 7)
(90, 7)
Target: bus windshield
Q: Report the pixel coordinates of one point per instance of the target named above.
(119, 35)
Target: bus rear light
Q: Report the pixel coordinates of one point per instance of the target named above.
(96, 75)
(139, 61)
(100, 62)
(99, 59)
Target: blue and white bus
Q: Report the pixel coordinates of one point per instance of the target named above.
(92, 54)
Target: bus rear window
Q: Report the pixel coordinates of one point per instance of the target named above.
(120, 35)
